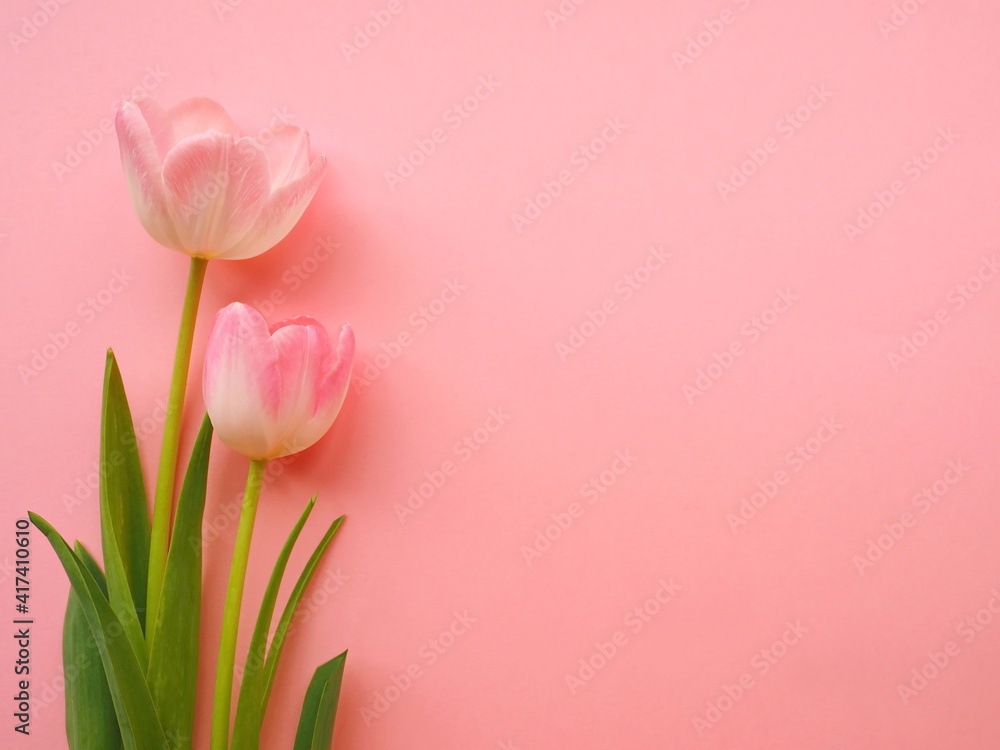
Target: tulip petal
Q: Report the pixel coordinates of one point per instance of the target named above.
(157, 120)
(329, 392)
(217, 190)
(303, 349)
(242, 382)
(337, 373)
(280, 213)
(287, 151)
(199, 115)
(143, 170)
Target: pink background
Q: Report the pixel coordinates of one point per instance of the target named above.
(843, 104)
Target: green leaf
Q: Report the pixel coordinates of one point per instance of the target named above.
(124, 514)
(173, 644)
(281, 632)
(319, 709)
(91, 723)
(251, 707)
(137, 719)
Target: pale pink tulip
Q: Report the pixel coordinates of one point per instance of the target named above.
(273, 391)
(200, 187)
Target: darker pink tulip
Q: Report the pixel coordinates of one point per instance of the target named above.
(274, 391)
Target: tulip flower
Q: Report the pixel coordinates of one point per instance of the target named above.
(201, 188)
(273, 391)
(269, 392)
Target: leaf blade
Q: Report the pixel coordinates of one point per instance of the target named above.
(319, 707)
(172, 674)
(91, 723)
(281, 631)
(124, 514)
(137, 719)
(251, 706)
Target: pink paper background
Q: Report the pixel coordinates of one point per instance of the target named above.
(869, 90)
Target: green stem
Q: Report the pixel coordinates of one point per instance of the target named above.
(164, 498)
(231, 613)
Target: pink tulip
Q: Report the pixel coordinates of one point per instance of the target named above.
(200, 187)
(272, 392)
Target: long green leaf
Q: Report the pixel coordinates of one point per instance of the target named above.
(91, 723)
(250, 709)
(278, 642)
(173, 644)
(140, 726)
(124, 514)
(319, 709)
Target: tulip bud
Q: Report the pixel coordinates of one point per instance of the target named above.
(273, 391)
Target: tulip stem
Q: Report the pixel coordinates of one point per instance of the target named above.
(231, 613)
(163, 500)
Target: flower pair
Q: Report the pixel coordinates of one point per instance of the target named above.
(202, 188)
